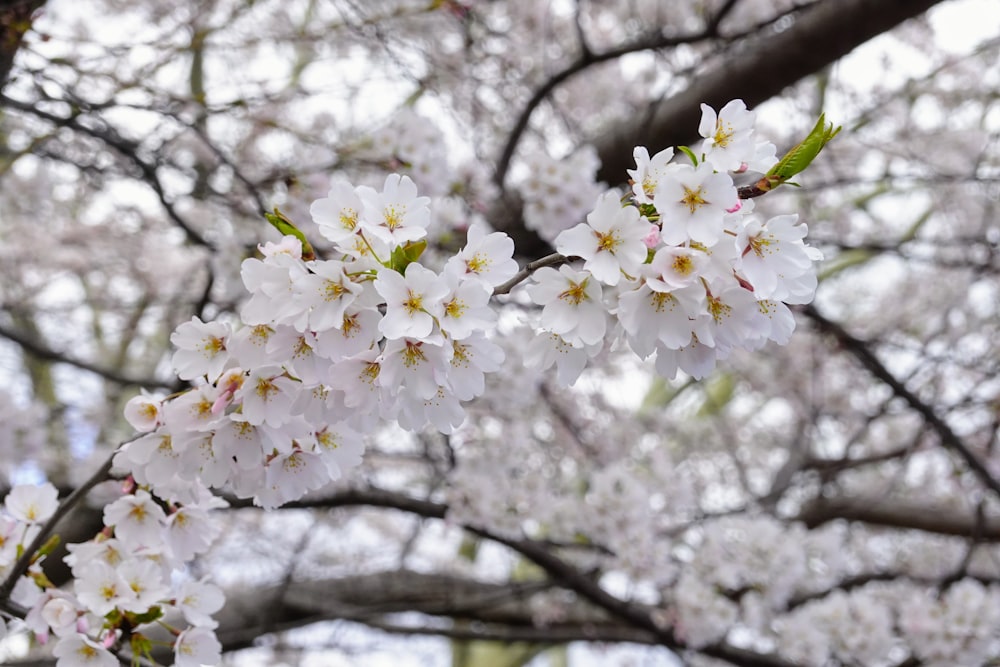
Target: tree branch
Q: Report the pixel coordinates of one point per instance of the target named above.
(39, 351)
(862, 352)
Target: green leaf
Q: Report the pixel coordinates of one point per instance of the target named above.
(718, 391)
(141, 646)
(406, 254)
(843, 261)
(801, 156)
(280, 222)
(148, 616)
(690, 153)
(49, 546)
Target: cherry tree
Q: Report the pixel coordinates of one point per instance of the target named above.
(331, 326)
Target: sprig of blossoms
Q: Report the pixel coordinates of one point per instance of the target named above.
(710, 276)
(332, 347)
(679, 268)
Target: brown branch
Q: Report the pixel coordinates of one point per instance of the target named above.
(561, 572)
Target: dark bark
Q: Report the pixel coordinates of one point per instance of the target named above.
(15, 21)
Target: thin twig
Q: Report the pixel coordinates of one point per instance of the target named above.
(555, 259)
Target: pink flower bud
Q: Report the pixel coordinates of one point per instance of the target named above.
(652, 239)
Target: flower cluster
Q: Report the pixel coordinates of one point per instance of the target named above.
(681, 262)
(122, 579)
(331, 347)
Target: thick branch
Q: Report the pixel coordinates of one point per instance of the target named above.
(768, 64)
(763, 66)
(897, 513)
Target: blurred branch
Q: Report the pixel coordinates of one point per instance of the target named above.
(124, 147)
(862, 352)
(902, 514)
(562, 572)
(36, 349)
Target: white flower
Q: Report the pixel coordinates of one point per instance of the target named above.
(271, 284)
(54, 609)
(325, 293)
(31, 503)
(358, 331)
(421, 366)
(696, 359)
(101, 588)
(777, 323)
(735, 316)
(409, 301)
(77, 651)
(651, 317)
(290, 476)
(143, 412)
(83, 554)
(648, 172)
(267, 395)
(198, 600)
(358, 379)
(471, 358)
(196, 647)
(137, 519)
(190, 531)
(60, 614)
(248, 345)
(297, 352)
(692, 204)
(395, 215)
(442, 410)
(611, 241)
(674, 267)
(341, 448)
(548, 348)
(144, 577)
(728, 144)
(337, 215)
(201, 349)
(193, 410)
(465, 308)
(573, 308)
(487, 257)
(772, 252)
(153, 457)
